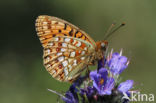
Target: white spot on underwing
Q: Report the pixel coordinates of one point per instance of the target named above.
(65, 63)
(62, 49)
(85, 48)
(61, 58)
(45, 23)
(61, 23)
(48, 59)
(82, 58)
(48, 51)
(53, 71)
(47, 31)
(56, 39)
(48, 65)
(70, 67)
(75, 62)
(74, 42)
(69, 60)
(67, 39)
(64, 44)
(78, 44)
(45, 27)
(83, 52)
(58, 54)
(66, 71)
(72, 54)
(51, 44)
(53, 22)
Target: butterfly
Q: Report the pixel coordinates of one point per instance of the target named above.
(67, 50)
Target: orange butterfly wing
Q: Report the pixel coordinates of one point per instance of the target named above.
(67, 49)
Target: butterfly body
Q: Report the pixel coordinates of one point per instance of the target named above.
(67, 50)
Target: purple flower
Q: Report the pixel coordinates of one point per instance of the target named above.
(71, 95)
(124, 87)
(69, 98)
(89, 91)
(102, 82)
(117, 63)
(104, 87)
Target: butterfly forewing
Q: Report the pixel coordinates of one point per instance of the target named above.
(67, 49)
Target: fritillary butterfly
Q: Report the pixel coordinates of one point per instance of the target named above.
(67, 50)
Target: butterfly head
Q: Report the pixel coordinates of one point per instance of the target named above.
(101, 47)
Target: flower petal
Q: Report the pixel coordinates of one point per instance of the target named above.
(69, 98)
(107, 89)
(117, 63)
(125, 86)
(103, 72)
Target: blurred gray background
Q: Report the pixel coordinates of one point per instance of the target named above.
(23, 79)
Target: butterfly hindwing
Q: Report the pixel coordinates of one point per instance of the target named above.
(64, 59)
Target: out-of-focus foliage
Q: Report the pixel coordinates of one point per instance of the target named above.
(23, 79)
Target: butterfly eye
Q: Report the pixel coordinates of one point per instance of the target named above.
(102, 45)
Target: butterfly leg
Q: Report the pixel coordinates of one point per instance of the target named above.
(87, 71)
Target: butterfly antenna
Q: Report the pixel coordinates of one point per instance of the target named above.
(109, 29)
(110, 33)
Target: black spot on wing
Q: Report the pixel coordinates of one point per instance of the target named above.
(65, 26)
(60, 31)
(71, 32)
(76, 33)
